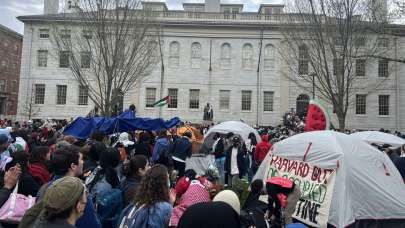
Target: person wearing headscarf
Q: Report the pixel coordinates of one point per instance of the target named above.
(196, 193)
(63, 204)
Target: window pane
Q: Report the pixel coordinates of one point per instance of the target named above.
(360, 67)
(83, 95)
(85, 59)
(61, 94)
(2, 85)
(268, 101)
(383, 42)
(173, 98)
(194, 99)
(150, 97)
(42, 58)
(303, 60)
(39, 93)
(360, 104)
(246, 100)
(65, 34)
(224, 96)
(338, 67)
(383, 105)
(383, 68)
(44, 33)
(64, 59)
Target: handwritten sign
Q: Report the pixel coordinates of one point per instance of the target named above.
(316, 185)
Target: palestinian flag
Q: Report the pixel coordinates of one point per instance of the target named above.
(162, 102)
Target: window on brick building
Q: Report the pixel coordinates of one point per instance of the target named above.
(384, 105)
(268, 97)
(361, 104)
(224, 97)
(44, 33)
(14, 86)
(173, 98)
(42, 58)
(61, 94)
(194, 102)
(338, 67)
(150, 97)
(360, 67)
(64, 59)
(303, 63)
(85, 59)
(83, 95)
(246, 100)
(383, 68)
(39, 93)
(3, 85)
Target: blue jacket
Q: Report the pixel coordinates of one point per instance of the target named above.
(156, 216)
(182, 148)
(159, 145)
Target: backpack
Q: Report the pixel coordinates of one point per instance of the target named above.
(109, 206)
(165, 157)
(135, 217)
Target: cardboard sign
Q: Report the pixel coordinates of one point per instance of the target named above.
(316, 186)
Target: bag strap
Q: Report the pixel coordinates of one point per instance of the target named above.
(16, 188)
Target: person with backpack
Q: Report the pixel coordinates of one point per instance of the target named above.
(161, 150)
(218, 149)
(153, 202)
(143, 145)
(262, 148)
(181, 150)
(65, 161)
(251, 148)
(63, 204)
(235, 165)
(104, 188)
(136, 169)
(254, 210)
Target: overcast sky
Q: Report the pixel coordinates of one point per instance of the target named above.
(10, 9)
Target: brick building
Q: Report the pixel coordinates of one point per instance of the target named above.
(10, 59)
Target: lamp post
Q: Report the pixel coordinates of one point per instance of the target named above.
(313, 85)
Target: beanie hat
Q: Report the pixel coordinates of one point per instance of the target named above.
(229, 197)
(63, 194)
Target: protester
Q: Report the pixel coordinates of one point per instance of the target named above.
(196, 193)
(181, 150)
(4, 153)
(66, 161)
(251, 148)
(143, 145)
(218, 149)
(209, 215)
(262, 148)
(93, 156)
(38, 166)
(10, 179)
(63, 204)
(137, 167)
(235, 165)
(27, 185)
(153, 203)
(161, 150)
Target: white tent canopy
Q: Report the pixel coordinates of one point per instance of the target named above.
(237, 127)
(362, 188)
(379, 137)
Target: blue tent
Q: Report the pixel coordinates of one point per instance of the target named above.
(81, 127)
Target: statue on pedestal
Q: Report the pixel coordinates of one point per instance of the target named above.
(208, 113)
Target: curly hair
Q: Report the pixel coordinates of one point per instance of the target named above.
(153, 187)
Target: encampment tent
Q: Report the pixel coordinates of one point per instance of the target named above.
(344, 182)
(379, 138)
(237, 127)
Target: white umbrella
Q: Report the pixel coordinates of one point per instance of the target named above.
(237, 127)
(379, 137)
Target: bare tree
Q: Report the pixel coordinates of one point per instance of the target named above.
(30, 109)
(109, 46)
(322, 42)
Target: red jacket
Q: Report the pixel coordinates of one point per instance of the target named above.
(262, 148)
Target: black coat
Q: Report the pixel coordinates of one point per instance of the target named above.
(241, 161)
(182, 148)
(219, 149)
(143, 148)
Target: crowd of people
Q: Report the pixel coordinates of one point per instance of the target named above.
(139, 179)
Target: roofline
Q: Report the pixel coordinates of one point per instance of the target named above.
(188, 3)
(11, 32)
(231, 4)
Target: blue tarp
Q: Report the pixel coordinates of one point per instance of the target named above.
(81, 127)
